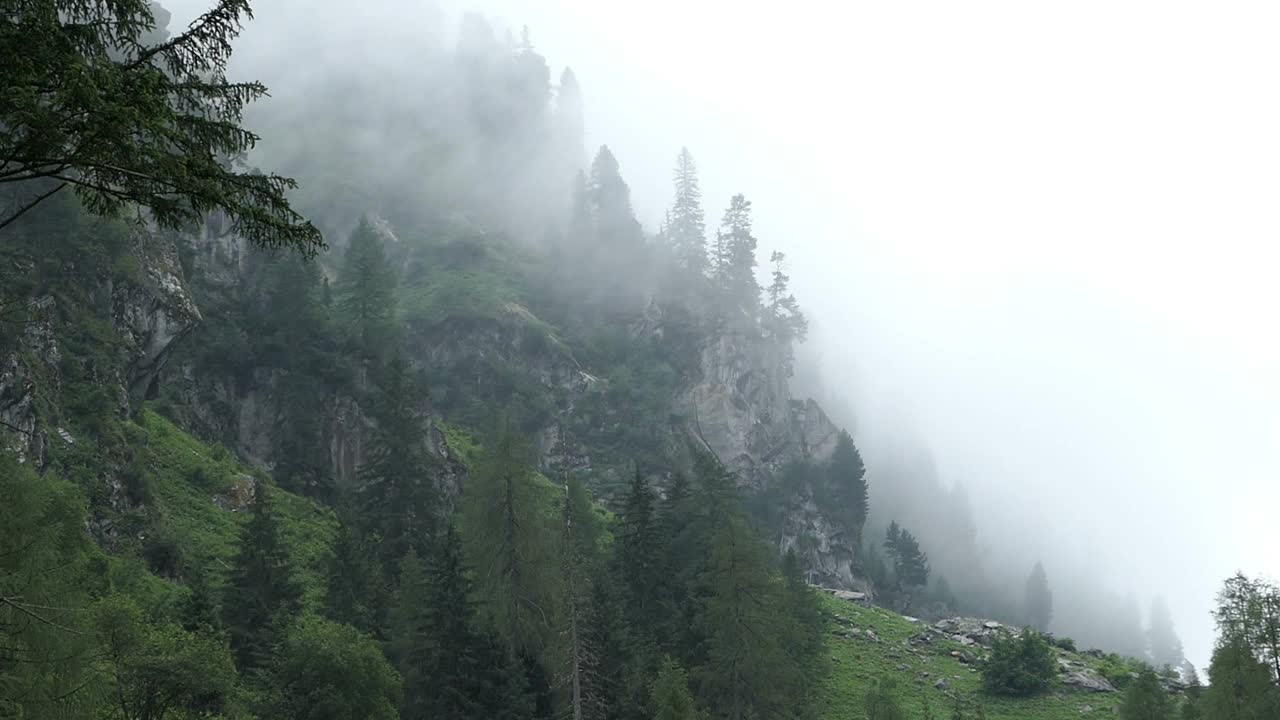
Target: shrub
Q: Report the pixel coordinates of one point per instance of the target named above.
(882, 701)
(1065, 643)
(1020, 667)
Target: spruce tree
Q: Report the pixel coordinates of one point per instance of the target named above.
(783, 319)
(1162, 642)
(686, 229)
(910, 564)
(1145, 699)
(640, 556)
(397, 492)
(669, 697)
(354, 592)
(262, 595)
(734, 260)
(1038, 599)
(99, 100)
(847, 480)
(365, 291)
(451, 669)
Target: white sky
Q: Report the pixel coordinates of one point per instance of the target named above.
(1046, 232)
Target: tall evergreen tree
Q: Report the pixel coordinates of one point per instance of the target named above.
(1038, 599)
(365, 290)
(452, 670)
(354, 593)
(734, 259)
(782, 314)
(398, 493)
(512, 542)
(848, 483)
(610, 202)
(98, 102)
(686, 229)
(910, 564)
(640, 556)
(579, 566)
(670, 698)
(262, 595)
(1145, 699)
(1162, 642)
(747, 671)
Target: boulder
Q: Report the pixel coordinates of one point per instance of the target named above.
(1088, 682)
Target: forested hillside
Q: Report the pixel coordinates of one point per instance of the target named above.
(445, 432)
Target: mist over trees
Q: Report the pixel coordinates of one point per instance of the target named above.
(451, 467)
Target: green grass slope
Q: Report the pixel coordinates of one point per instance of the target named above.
(194, 499)
(859, 659)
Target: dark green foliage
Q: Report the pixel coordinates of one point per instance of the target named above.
(262, 595)
(580, 565)
(365, 292)
(1240, 685)
(846, 478)
(910, 564)
(641, 553)
(669, 698)
(160, 670)
(200, 612)
(1145, 699)
(1021, 666)
(100, 100)
(46, 572)
(451, 668)
(1038, 599)
(747, 671)
(398, 496)
(328, 671)
(882, 701)
(1065, 643)
(511, 538)
(355, 592)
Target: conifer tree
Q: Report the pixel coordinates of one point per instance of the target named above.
(686, 229)
(783, 317)
(97, 101)
(910, 564)
(1038, 599)
(452, 670)
(670, 698)
(734, 259)
(640, 555)
(513, 545)
(747, 671)
(1145, 699)
(262, 595)
(354, 585)
(365, 291)
(1162, 642)
(200, 609)
(397, 491)
(579, 564)
(847, 479)
(610, 202)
